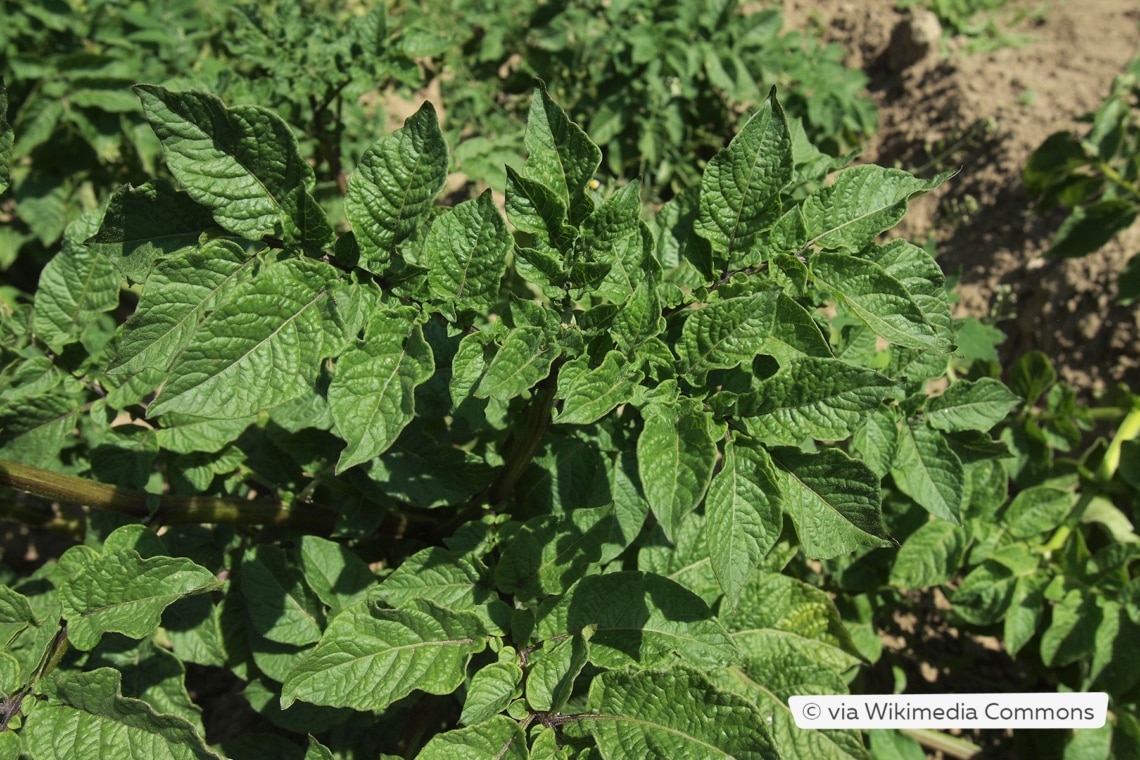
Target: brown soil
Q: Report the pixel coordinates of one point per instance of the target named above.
(985, 113)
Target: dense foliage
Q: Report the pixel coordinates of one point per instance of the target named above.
(578, 474)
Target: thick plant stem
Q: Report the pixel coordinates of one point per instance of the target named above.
(170, 510)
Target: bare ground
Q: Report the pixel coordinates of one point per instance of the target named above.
(985, 113)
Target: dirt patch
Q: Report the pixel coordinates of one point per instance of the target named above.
(984, 113)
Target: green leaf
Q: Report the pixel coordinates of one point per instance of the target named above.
(535, 208)
(76, 286)
(613, 236)
(927, 470)
(862, 202)
(525, 358)
(145, 224)
(561, 156)
(1036, 510)
(673, 714)
(372, 394)
(279, 606)
(641, 618)
(550, 677)
(439, 576)
(491, 689)
(1089, 228)
(465, 253)
(1072, 635)
(394, 185)
(743, 516)
(336, 574)
(260, 349)
(971, 405)
(150, 673)
(591, 394)
(317, 751)
(985, 594)
(1026, 609)
(1031, 375)
(920, 274)
(87, 718)
(6, 137)
(33, 429)
(187, 435)
(824, 399)
(878, 300)
(177, 296)
(778, 604)
(15, 615)
(123, 593)
(500, 738)
(833, 500)
(740, 188)
(676, 453)
(550, 552)
(243, 163)
(369, 656)
(778, 667)
(931, 556)
(726, 333)
(684, 560)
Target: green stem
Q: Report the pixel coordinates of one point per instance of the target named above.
(1120, 181)
(1129, 430)
(949, 746)
(530, 437)
(171, 510)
